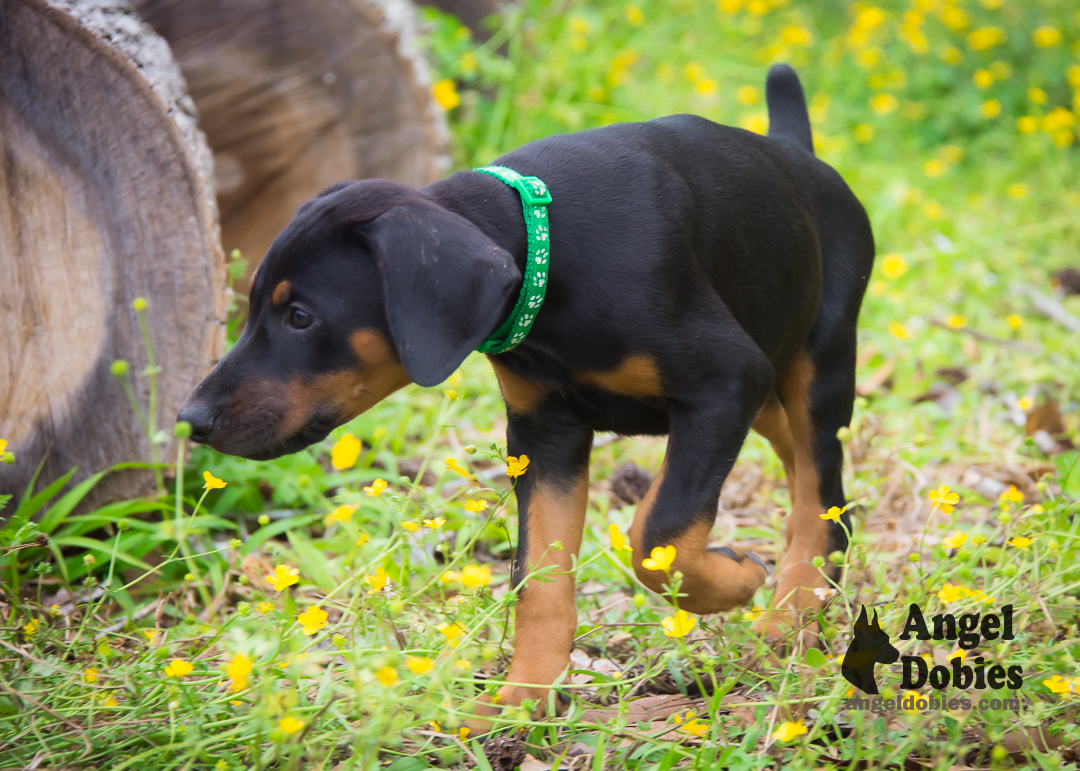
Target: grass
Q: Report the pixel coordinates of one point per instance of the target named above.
(975, 212)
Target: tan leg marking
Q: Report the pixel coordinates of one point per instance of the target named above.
(806, 534)
(712, 582)
(772, 423)
(545, 618)
(520, 395)
(638, 375)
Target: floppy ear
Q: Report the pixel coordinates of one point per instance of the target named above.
(446, 284)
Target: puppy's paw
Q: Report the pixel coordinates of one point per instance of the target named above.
(491, 707)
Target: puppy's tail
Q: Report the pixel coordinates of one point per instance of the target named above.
(788, 118)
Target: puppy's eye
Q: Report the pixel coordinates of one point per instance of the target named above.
(299, 319)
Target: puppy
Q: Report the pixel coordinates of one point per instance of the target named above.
(703, 281)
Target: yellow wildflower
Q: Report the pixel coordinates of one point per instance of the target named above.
(456, 467)
(1046, 37)
(462, 665)
(795, 35)
(753, 615)
(90, 675)
(377, 580)
(178, 668)
(291, 725)
(1014, 320)
(445, 93)
(239, 669)
(660, 558)
(1013, 495)
(949, 593)
(468, 63)
(634, 15)
(991, 108)
(693, 726)
(451, 631)
(344, 453)
(899, 330)
(418, 665)
(748, 95)
(943, 499)
(864, 133)
(977, 539)
(435, 523)
(1037, 95)
(375, 489)
(959, 653)
(679, 624)
(983, 78)
(387, 676)
(1017, 191)
(1036, 509)
(893, 266)
(284, 577)
(475, 576)
(475, 506)
(54, 610)
(364, 538)
(340, 514)
(956, 321)
(757, 123)
(463, 733)
(954, 541)
(954, 18)
(313, 619)
(933, 210)
(618, 540)
(264, 607)
(31, 627)
(934, 168)
(1020, 542)
(212, 482)
(515, 467)
(450, 394)
(788, 731)
(883, 104)
(412, 527)
(833, 513)
(110, 702)
(986, 38)
(1027, 124)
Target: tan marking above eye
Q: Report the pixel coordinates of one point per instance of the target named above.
(638, 375)
(281, 293)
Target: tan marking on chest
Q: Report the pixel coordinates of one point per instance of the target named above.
(638, 375)
(520, 394)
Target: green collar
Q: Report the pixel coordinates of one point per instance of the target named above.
(535, 198)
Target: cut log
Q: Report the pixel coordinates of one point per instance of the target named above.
(295, 95)
(105, 195)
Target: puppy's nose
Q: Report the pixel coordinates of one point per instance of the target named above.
(199, 415)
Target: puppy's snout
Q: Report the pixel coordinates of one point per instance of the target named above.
(201, 418)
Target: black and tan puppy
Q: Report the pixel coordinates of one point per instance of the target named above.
(703, 280)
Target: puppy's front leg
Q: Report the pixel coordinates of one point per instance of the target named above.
(552, 496)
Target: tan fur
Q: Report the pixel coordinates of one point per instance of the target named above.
(546, 616)
(519, 394)
(638, 375)
(712, 582)
(280, 295)
(806, 535)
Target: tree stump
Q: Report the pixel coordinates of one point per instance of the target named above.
(105, 195)
(295, 95)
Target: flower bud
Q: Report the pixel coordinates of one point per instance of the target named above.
(139, 303)
(119, 368)
(182, 429)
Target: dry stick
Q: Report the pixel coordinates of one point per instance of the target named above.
(74, 726)
(988, 338)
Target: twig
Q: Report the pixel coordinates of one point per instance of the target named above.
(1049, 307)
(988, 338)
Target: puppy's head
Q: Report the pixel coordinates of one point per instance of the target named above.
(370, 287)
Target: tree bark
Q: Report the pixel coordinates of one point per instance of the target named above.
(295, 95)
(106, 195)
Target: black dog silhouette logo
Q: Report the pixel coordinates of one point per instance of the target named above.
(869, 646)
